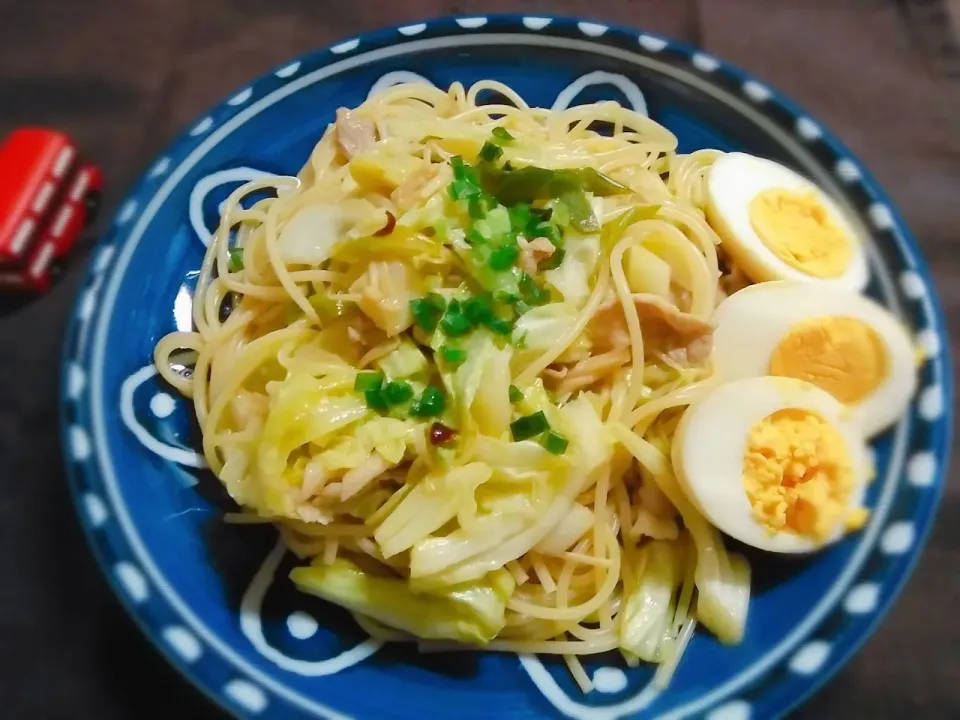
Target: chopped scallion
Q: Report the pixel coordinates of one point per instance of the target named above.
(498, 220)
(554, 442)
(561, 214)
(430, 403)
(520, 218)
(516, 395)
(454, 323)
(235, 264)
(533, 292)
(367, 381)
(466, 183)
(547, 230)
(490, 152)
(503, 257)
(475, 208)
(397, 391)
(553, 261)
(528, 426)
(461, 189)
(453, 356)
(499, 325)
(427, 311)
(473, 237)
(502, 135)
(479, 205)
(478, 309)
(376, 400)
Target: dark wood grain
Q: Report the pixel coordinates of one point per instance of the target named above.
(124, 77)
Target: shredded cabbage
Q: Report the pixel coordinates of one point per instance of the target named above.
(464, 382)
(722, 578)
(572, 278)
(472, 613)
(310, 234)
(386, 289)
(433, 502)
(404, 362)
(646, 621)
(491, 406)
(540, 328)
(565, 533)
(301, 412)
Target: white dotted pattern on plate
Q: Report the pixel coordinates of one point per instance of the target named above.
(247, 695)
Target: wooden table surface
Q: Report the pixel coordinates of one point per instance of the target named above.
(124, 76)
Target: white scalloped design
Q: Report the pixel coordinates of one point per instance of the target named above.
(535, 23)
(472, 23)
(881, 216)
(592, 29)
(79, 444)
(249, 697)
(201, 127)
(183, 642)
(159, 167)
(652, 43)
(126, 212)
(848, 171)
(288, 70)
(132, 580)
(810, 658)
(411, 30)
(898, 538)
(756, 91)
(96, 509)
(76, 381)
(862, 599)
(345, 47)
(808, 129)
(705, 63)
(241, 97)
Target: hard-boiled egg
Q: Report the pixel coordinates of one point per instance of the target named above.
(771, 462)
(843, 342)
(777, 225)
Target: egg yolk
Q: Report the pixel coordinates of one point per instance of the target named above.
(842, 355)
(798, 229)
(797, 474)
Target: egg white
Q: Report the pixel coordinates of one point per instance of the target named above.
(734, 180)
(711, 440)
(752, 322)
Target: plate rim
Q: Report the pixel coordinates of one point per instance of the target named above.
(591, 31)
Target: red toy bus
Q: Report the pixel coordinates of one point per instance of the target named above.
(48, 194)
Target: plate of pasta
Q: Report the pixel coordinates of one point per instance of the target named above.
(515, 365)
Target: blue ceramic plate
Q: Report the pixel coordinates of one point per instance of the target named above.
(215, 598)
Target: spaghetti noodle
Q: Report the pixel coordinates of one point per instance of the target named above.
(439, 361)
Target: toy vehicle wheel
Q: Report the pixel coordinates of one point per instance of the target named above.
(91, 201)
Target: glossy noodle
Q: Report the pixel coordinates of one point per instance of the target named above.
(447, 360)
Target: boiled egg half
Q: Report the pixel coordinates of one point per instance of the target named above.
(838, 340)
(772, 462)
(777, 225)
